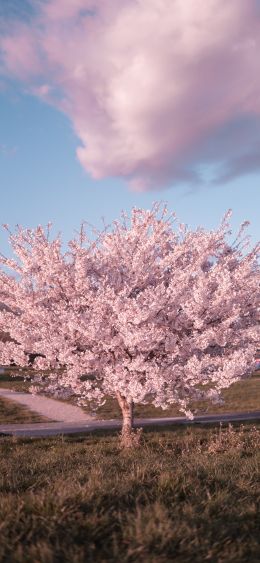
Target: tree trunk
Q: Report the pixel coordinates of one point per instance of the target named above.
(127, 408)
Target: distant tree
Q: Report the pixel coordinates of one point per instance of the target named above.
(158, 314)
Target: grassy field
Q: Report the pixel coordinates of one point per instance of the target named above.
(189, 495)
(242, 396)
(10, 380)
(12, 412)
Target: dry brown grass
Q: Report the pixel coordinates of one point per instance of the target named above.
(189, 495)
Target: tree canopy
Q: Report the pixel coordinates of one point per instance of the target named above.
(156, 312)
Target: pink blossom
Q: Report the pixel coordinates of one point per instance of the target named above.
(136, 308)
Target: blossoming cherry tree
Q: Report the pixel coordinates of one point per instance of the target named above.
(154, 312)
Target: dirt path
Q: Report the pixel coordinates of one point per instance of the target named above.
(51, 408)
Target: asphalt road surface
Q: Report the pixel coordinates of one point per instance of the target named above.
(57, 428)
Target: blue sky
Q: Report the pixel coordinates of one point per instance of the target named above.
(143, 110)
(41, 179)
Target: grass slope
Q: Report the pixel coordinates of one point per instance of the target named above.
(189, 495)
(242, 396)
(10, 380)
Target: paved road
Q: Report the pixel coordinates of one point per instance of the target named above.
(56, 428)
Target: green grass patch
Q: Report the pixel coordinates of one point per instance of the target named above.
(15, 385)
(242, 396)
(13, 378)
(12, 413)
(189, 494)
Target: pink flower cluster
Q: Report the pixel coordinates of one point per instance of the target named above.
(148, 310)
